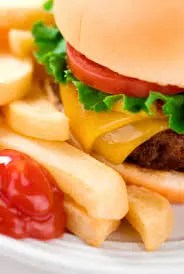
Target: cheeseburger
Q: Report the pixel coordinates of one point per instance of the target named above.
(120, 67)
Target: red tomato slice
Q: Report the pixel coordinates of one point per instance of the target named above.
(106, 80)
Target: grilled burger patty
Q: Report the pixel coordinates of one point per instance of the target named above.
(163, 151)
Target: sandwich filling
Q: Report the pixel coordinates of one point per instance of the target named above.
(118, 117)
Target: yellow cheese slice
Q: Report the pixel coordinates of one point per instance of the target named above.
(115, 146)
(87, 126)
(113, 135)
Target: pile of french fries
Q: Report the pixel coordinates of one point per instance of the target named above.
(96, 196)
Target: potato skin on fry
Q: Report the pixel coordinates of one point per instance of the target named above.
(151, 215)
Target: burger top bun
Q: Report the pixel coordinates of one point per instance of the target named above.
(136, 38)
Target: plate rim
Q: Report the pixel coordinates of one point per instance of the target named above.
(131, 255)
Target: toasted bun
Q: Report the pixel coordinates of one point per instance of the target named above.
(22, 14)
(141, 39)
(170, 184)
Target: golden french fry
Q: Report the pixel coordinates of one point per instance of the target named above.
(151, 215)
(36, 117)
(92, 231)
(91, 184)
(23, 14)
(21, 42)
(16, 78)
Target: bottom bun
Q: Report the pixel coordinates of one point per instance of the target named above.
(170, 184)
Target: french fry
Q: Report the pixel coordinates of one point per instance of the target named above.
(23, 14)
(16, 78)
(91, 184)
(92, 231)
(21, 42)
(36, 117)
(151, 215)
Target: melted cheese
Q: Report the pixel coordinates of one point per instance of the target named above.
(87, 126)
(115, 146)
(113, 135)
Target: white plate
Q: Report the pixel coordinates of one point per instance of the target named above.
(70, 255)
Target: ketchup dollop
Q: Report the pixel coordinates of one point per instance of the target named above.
(31, 205)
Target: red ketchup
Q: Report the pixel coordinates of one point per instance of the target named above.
(31, 205)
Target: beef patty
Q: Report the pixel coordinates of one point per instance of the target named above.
(163, 151)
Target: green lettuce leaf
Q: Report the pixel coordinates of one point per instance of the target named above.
(173, 108)
(133, 104)
(51, 52)
(110, 100)
(48, 5)
(92, 99)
